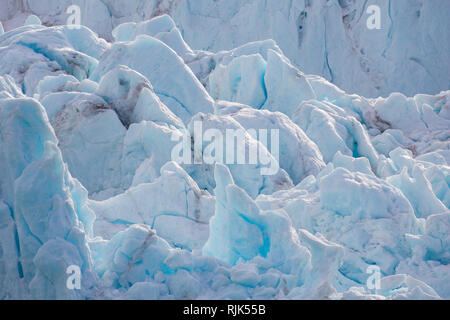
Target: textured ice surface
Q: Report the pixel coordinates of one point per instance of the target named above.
(45, 220)
(329, 38)
(88, 179)
(179, 89)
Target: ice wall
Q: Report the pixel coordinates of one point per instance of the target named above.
(327, 38)
(88, 178)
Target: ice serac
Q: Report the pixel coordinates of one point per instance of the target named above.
(33, 52)
(240, 81)
(116, 260)
(131, 95)
(82, 119)
(147, 148)
(180, 90)
(55, 83)
(44, 220)
(298, 155)
(240, 232)
(426, 174)
(422, 120)
(110, 120)
(396, 287)
(335, 129)
(205, 62)
(381, 209)
(271, 83)
(161, 27)
(129, 31)
(182, 220)
(286, 86)
(221, 139)
(419, 192)
(344, 206)
(243, 234)
(429, 261)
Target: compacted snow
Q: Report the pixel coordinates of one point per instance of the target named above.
(355, 204)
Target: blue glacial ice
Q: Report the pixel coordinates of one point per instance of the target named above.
(88, 178)
(322, 37)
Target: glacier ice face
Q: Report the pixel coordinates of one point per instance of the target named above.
(298, 155)
(419, 192)
(190, 210)
(248, 175)
(327, 38)
(180, 90)
(240, 81)
(45, 226)
(161, 27)
(88, 177)
(36, 52)
(286, 87)
(81, 119)
(239, 231)
(329, 204)
(131, 95)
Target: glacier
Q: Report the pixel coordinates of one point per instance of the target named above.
(329, 38)
(90, 118)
